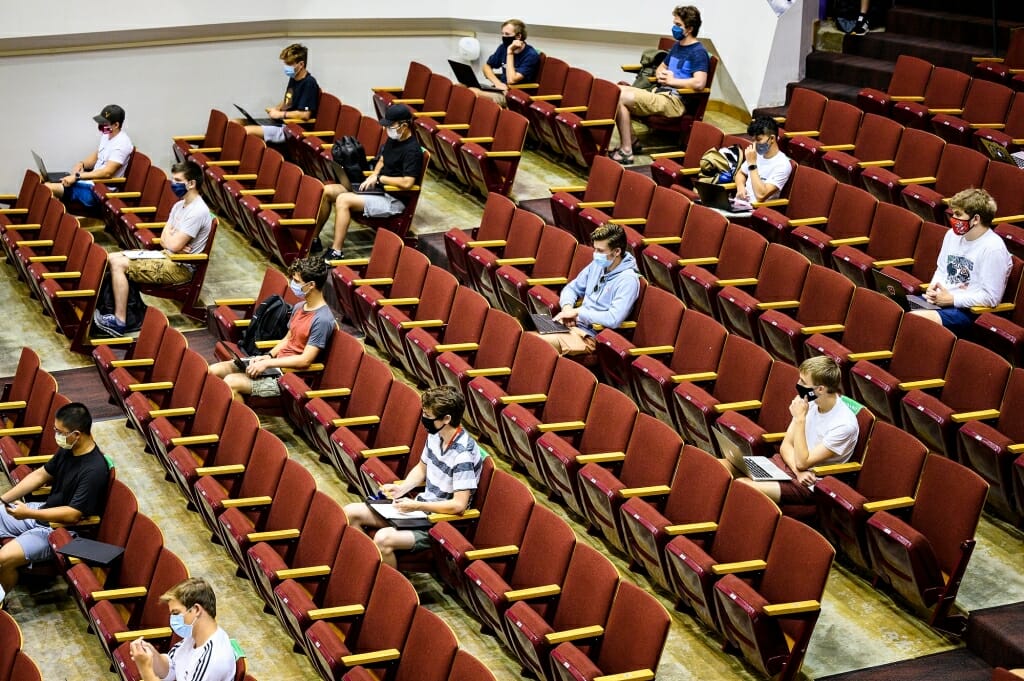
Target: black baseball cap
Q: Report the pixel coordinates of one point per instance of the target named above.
(111, 113)
(396, 113)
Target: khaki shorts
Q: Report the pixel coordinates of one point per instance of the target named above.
(575, 342)
(158, 271)
(267, 386)
(647, 103)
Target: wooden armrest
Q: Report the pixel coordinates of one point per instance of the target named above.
(422, 323)
(547, 98)
(649, 491)
(61, 275)
(492, 371)
(397, 302)
(1001, 307)
(779, 305)
(374, 281)
(488, 243)
(628, 221)
(545, 591)
(849, 241)
(407, 100)
(296, 222)
(36, 243)
(516, 261)
(634, 675)
(802, 133)
(955, 112)
(836, 147)
(223, 164)
(556, 637)
(871, 355)
(375, 657)
(456, 347)
(453, 126)
(600, 457)
(991, 126)
(793, 608)
(139, 209)
(998, 60)
(241, 177)
(13, 211)
(146, 387)
(524, 86)
(651, 350)
(836, 468)
(77, 293)
(377, 452)
(335, 612)
(352, 262)
(926, 384)
(917, 180)
(694, 377)
(568, 189)
(394, 88)
(561, 426)
(741, 281)
(739, 566)
(1008, 218)
(46, 258)
(876, 164)
(478, 140)
(652, 240)
(328, 392)
(156, 632)
(493, 552)
(595, 204)
(277, 206)
(87, 521)
(529, 398)
(304, 572)
(120, 340)
(690, 528)
(547, 281)
(31, 460)
(247, 502)
(317, 133)
(1016, 448)
(669, 154)
(123, 195)
(141, 362)
(592, 122)
(230, 469)
(631, 68)
(117, 594)
(273, 535)
(770, 203)
(468, 514)
(822, 328)
(710, 260)
(887, 504)
(172, 412)
(737, 406)
(356, 421)
(979, 415)
(266, 191)
(504, 154)
(189, 440)
(892, 262)
(234, 302)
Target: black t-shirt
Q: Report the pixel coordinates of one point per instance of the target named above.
(78, 481)
(302, 95)
(402, 158)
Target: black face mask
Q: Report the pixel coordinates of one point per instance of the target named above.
(507, 40)
(806, 392)
(430, 424)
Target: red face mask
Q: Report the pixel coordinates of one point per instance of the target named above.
(959, 225)
(104, 128)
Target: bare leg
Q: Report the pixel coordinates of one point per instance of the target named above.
(11, 558)
(56, 188)
(768, 488)
(389, 540)
(256, 130)
(624, 120)
(239, 383)
(931, 315)
(119, 283)
(343, 208)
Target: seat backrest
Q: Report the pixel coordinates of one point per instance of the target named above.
(118, 514)
(460, 106)
(370, 389)
(324, 526)
(1009, 423)
(604, 434)
(742, 370)
(327, 112)
(270, 167)
(703, 136)
(465, 667)
(774, 414)
(699, 486)
(894, 232)
(399, 419)
(588, 590)
(353, 570)
(892, 463)
(1003, 182)
(921, 350)
(429, 649)
(746, 526)
(545, 551)
(20, 386)
(658, 318)
(825, 298)
(170, 570)
(263, 471)
(798, 565)
(570, 393)
(251, 154)
(1015, 116)
(371, 135)
(806, 107)
(484, 119)
(603, 181)
(872, 322)
(975, 378)
(552, 76)
(919, 154)
(189, 383)
(140, 553)
(439, 91)
(389, 613)
(698, 345)
(635, 633)
(24, 668)
(782, 274)
(409, 274)
(576, 91)
(667, 213)
(878, 138)
(417, 80)
(987, 102)
(554, 253)
(533, 366)
(839, 123)
(384, 256)
(633, 199)
(741, 254)
(504, 513)
(291, 499)
(437, 295)
(960, 167)
(926, 250)
(703, 233)
(10, 634)
(948, 507)
(652, 454)
(137, 172)
(946, 88)
(499, 340)
(523, 235)
(509, 134)
(341, 363)
(812, 193)
(910, 77)
(154, 322)
(244, 428)
(851, 213)
(497, 217)
(169, 355)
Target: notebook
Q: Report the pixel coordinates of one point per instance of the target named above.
(465, 74)
(92, 551)
(890, 286)
(411, 520)
(754, 467)
(143, 255)
(1000, 153)
(257, 121)
(49, 177)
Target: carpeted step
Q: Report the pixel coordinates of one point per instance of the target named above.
(1011, 10)
(889, 46)
(849, 69)
(955, 665)
(997, 635)
(831, 89)
(957, 28)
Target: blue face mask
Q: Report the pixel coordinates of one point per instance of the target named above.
(296, 288)
(179, 189)
(289, 71)
(762, 148)
(601, 259)
(179, 627)
(678, 32)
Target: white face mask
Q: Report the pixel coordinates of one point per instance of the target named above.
(63, 440)
(394, 133)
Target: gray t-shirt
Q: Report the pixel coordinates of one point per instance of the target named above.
(193, 219)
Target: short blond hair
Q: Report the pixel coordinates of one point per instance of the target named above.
(975, 202)
(823, 371)
(294, 53)
(517, 25)
(192, 591)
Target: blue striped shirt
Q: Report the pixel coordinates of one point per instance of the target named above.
(453, 470)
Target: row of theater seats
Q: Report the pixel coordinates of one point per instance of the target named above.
(550, 413)
(289, 538)
(15, 665)
(121, 601)
(1008, 69)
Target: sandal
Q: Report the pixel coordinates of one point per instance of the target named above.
(621, 157)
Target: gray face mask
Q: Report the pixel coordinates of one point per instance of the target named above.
(762, 148)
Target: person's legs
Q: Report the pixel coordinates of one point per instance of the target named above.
(343, 207)
(118, 264)
(239, 383)
(389, 540)
(56, 188)
(12, 557)
(256, 130)
(575, 342)
(768, 488)
(624, 121)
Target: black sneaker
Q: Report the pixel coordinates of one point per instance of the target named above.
(316, 246)
(861, 27)
(333, 254)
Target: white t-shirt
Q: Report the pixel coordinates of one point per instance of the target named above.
(975, 271)
(193, 219)
(213, 661)
(774, 171)
(116, 149)
(837, 429)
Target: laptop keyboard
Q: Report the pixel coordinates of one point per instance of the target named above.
(755, 470)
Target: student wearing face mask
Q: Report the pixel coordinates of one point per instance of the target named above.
(204, 652)
(448, 472)
(186, 231)
(301, 96)
(973, 265)
(823, 431)
(309, 331)
(109, 160)
(603, 293)
(514, 61)
(399, 164)
(77, 475)
(766, 169)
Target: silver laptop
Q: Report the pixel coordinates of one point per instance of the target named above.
(754, 467)
(1000, 153)
(257, 121)
(891, 287)
(49, 177)
(465, 74)
(241, 363)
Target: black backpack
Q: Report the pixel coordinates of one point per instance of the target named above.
(136, 309)
(348, 152)
(269, 322)
(650, 60)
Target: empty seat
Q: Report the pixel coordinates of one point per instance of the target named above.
(907, 84)
(599, 192)
(182, 145)
(811, 194)
(778, 285)
(916, 158)
(448, 141)
(944, 93)
(740, 259)
(492, 166)
(667, 169)
(850, 220)
(700, 244)
(415, 88)
(462, 333)
(492, 231)
(574, 96)
(549, 87)
(877, 141)
(891, 241)
(803, 115)
(960, 167)
(985, 106)
(493, 356)
(584, 134)
(840, 123)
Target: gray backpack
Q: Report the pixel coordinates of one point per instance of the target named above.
(650, 60)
